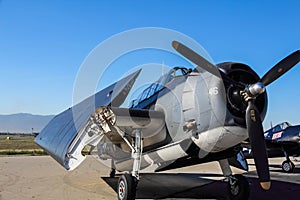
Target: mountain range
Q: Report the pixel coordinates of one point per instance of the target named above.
(23, 123)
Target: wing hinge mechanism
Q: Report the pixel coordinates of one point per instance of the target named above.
(107, 121)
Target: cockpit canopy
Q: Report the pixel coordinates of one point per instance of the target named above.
(160, 84)
(279, 127)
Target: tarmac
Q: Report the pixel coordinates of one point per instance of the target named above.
(42, 178)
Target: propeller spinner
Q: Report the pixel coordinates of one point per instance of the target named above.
(249, 94)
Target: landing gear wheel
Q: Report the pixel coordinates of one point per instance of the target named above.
(288, 166)
(112, 173)
(127, 187)
(238, 187)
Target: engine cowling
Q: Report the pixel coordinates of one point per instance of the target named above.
(235, 104)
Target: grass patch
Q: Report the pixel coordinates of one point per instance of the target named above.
(33, 152)
(19, 144)
(23, 144)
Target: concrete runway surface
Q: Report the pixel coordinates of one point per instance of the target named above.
(40, 177)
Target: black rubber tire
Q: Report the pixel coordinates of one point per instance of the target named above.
(127, 187)
(288, 166)
(241, 188)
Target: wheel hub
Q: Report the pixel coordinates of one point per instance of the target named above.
(235, 190)
(122, 189)
(286, 166)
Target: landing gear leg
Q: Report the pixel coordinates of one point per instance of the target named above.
(287, 165)
(128, 182)
(238, 186)
(112, 173)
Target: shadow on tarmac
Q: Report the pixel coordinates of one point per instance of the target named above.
(194, 186)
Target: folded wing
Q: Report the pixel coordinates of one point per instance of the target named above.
(67, 133)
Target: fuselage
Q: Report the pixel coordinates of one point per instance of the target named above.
(196, 114)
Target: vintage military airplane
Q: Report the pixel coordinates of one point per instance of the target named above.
(281, 140)
(185, 118)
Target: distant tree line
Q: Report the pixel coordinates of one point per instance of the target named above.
(19, 134)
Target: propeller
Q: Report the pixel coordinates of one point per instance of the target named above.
(258, 144)
(281, 67)
(249, 93)
(196, 58)
(203, 63)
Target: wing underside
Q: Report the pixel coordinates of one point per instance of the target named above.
(68, 132)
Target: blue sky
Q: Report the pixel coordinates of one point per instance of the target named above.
(44, 43)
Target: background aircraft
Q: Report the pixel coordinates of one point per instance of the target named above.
(281, 140)
(187, 117)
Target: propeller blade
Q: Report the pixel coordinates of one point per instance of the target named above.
(203, 63)
(258, 145)
(280, 68)
(195, 58)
